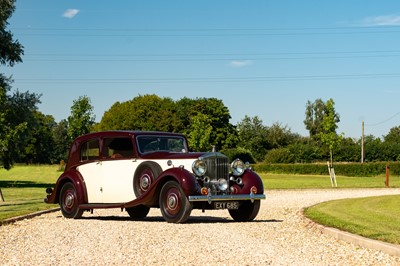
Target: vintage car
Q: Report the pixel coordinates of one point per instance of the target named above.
(137, 170)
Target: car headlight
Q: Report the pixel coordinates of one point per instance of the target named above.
(199, 167)
(237, 167)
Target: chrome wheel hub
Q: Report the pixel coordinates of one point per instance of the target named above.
(172, 201)
(145, 182)
(69, 200)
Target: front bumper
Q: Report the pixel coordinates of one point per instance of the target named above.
(210, 198)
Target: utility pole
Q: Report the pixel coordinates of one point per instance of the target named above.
(362, 143)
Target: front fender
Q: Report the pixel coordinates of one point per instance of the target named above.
(186, 179)
(250, 179)
(76, 179)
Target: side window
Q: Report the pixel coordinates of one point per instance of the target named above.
(161, 143)
(116, 148)
(176, 145)
(90, 150)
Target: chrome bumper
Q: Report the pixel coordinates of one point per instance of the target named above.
(210, 198)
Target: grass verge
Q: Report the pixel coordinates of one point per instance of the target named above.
(285, 181)
(24, 188)
(373, 217)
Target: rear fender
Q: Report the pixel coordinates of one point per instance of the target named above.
(74, 178)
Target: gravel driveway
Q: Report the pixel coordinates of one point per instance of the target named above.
(278, 236)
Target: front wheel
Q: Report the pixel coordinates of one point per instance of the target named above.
(69, 202)
(247, 211)
(175, 206)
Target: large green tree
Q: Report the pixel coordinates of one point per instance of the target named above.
(253, 136)
(81, 119)
(10, 50)
(223, 134)
(61, 141)
(393, 136)
(144, 112)
(16, 111)
(200, 133)
(315, 113)
(192, 117)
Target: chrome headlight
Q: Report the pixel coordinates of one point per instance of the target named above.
(237, 167)
(199, 167)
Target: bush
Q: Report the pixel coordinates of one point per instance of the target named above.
(282, 155)
(344, 169)
(241, 153)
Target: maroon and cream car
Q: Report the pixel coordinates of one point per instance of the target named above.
(137, 170)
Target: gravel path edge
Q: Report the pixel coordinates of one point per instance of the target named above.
(27, 216)
(388, 248)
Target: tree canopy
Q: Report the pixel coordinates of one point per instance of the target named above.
(193, 117)
(17, 111)
(81, 119)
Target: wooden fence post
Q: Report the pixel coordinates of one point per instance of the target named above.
(1, 195)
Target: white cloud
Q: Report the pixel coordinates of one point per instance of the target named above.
(388, 20)
(241, 63)
(70, 13)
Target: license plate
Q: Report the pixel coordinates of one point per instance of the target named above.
(230, 205)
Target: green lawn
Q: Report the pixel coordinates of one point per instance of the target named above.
(284, 181)
(24, 188)
(373, 217)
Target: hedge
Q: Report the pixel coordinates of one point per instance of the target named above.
(344, 169)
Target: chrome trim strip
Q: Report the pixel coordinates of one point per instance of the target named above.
(211, 198)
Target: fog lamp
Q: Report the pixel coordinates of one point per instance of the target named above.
(222, 184)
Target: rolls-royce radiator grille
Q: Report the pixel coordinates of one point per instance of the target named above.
(217, 168)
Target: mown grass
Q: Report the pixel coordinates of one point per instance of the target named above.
(373, 217)
(24, 188)
(284, 181)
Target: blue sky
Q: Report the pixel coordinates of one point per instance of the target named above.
(262, 58)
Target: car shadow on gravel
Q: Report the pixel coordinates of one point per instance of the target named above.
(191, 220)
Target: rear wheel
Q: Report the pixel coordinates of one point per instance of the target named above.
(175, 206)
(247, 211)
(69, 202)
(138, 212)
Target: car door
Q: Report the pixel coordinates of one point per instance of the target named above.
(118, 168)
(91, 170)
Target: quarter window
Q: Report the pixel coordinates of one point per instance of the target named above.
(90, 150)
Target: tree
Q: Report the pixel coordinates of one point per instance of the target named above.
(144, 112)
(279, 136)
(151, 112)
(223, 134)
(393, 136)
(315, 113)
(39, 141)
(10, 53)
(327, 134)
(200, 132)
(61, 141)
(253, 136)
(10, 49)
(81, 119)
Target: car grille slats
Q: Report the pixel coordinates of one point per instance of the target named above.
(217, 168)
